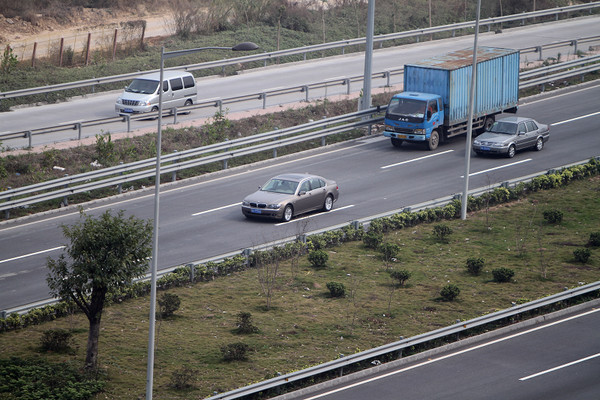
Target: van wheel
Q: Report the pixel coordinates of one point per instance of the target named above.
(434, 140)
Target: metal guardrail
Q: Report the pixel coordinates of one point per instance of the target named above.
(397, 347)
(277, 55)
(439, 202)
(174, 162)
(301, 89)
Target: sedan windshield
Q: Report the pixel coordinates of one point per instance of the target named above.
(142, 86)
(507, 128)
(280, 186)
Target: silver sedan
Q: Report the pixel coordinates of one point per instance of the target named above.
(288, 195)
(510, 134)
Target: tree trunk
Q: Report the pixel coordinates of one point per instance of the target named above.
(94, 317)
(91, 356)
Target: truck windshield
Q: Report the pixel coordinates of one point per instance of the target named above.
(406, 108)
(143, 86)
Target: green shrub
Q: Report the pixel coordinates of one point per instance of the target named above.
(372, 239)
(181, 378)
(167, 305)
(401, 276)
(582, 255)
(336, 289)
(442, 232)
(450, 292)
(553, 216)
(594, 240)
(503, 274)
(235, 351)
(475, 265)
(318, 258)
(58, 340)
(244, 323)
(389, 250)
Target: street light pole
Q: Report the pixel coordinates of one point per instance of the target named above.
(465, 195)
(245, 46)
(365, 102)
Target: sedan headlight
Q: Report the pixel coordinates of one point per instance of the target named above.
(119, 101)
(477, 143)
(246, 203)
(273, 206)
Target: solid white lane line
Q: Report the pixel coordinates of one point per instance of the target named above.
(416, 159)
(216, 209)
(314, 215)
(499, 167)
(32, 254)
(575, 119)
(114, 205)
(560, 367)
(451, 355)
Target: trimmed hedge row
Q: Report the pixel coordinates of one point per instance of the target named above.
(209, 271)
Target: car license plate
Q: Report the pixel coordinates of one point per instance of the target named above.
(255, 211)
(401, 136)
(485, 148)
(127, 110)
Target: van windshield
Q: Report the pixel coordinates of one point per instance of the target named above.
(143, 86)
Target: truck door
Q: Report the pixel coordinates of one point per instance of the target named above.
(433, 116)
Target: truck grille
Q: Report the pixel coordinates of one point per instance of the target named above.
(403, 130)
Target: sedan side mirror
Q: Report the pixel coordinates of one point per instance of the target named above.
(302, 193)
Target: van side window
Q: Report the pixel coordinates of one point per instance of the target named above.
(176, 84)
(165, 86)
(189, 81)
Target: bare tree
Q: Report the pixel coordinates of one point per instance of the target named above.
(267, 265)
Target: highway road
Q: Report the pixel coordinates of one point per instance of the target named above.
(201, 218)
(552, 361)
(287, 75)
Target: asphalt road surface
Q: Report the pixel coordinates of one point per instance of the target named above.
(554, 361)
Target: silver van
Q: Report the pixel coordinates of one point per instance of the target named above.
(179, 89)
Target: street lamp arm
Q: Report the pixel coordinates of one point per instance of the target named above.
(244, 46)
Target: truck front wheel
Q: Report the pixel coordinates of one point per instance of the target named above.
(434, 140)
(396, 142)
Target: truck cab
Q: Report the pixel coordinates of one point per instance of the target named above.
(414, 117)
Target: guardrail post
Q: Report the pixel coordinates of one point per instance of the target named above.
(219, 104)
(246, 253)
(65, 200)
(574, 44)
(78, 127)
(225, 160)
(3, 314)
(406, 209)
(347, 83)
(7, 212)
(127, 119)
(505, 184)
(304, 56)
(355, 225)
(538, 49)
(275, 149)
(305, 90)
(120, 185)
(174, 173)
(192, 272)
(263, 96)
(175, 115)
(323, 137)
(28, 135)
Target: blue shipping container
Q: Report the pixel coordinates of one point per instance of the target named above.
(449, 75)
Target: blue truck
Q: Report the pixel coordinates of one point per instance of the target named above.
(434, 104)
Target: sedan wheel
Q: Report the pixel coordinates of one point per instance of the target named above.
(511, 151)
(539, 144)
(288, 213)
(328, 205)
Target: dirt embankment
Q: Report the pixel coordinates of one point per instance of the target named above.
(73, 26)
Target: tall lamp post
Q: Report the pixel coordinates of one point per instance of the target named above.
(245, 46)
